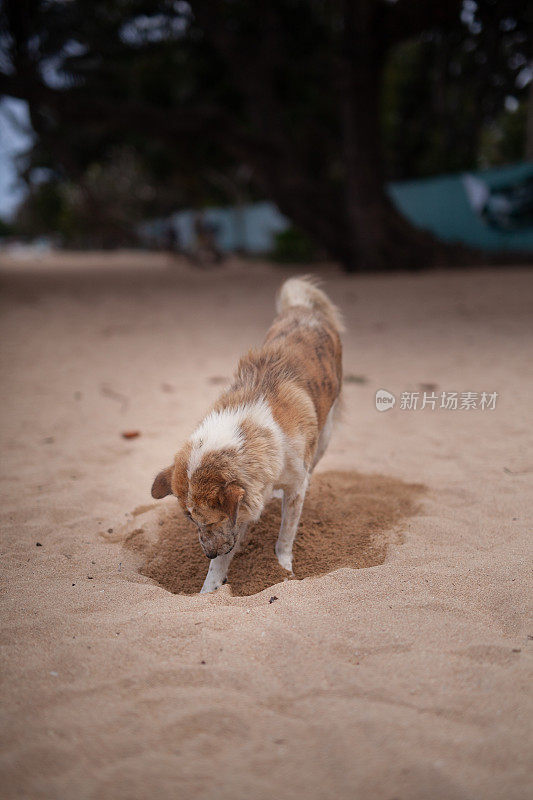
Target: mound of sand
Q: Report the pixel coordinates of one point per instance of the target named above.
(346, 522)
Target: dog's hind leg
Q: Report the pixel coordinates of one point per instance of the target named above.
(291, 509)
(218, 567)
(325, 436)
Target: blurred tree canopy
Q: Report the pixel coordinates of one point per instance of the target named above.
(144, 107)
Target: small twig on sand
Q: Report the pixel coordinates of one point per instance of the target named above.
(107, 391)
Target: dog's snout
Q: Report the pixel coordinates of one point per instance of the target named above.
(217, 546)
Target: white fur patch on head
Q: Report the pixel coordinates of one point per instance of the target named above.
(221, 430)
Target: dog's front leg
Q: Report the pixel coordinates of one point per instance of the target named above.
(218, 567)
(216, 574)
(291, 508)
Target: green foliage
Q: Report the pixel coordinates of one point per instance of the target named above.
(100, 209)
(504, 141)
(42, 211)
(292, 246)
(443, 98)
(6, 229)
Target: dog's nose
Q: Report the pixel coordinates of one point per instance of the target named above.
(211, 553)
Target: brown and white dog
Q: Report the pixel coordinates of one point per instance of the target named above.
(265, 434)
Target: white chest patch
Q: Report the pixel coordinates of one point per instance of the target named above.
(221, 430)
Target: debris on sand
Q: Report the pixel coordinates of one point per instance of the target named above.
(130, 434)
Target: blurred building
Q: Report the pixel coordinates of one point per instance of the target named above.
(250, 228)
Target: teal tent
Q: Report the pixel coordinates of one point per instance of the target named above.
(491, 209)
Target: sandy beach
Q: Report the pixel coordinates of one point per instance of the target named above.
(398, 666)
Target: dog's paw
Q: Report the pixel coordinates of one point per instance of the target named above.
(285, 560)
(212, 586)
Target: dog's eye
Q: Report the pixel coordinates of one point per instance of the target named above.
(194, 521)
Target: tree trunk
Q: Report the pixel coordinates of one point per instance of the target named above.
(378, 236)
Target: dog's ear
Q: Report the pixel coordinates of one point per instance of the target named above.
(230, 497)
(162, 484)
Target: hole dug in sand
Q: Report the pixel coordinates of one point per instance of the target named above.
(346, 522)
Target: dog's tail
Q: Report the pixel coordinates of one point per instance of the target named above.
(305, 292)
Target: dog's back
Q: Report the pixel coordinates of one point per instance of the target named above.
(298, 370)
(307, 330)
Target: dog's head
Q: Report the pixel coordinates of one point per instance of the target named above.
(211, 498)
